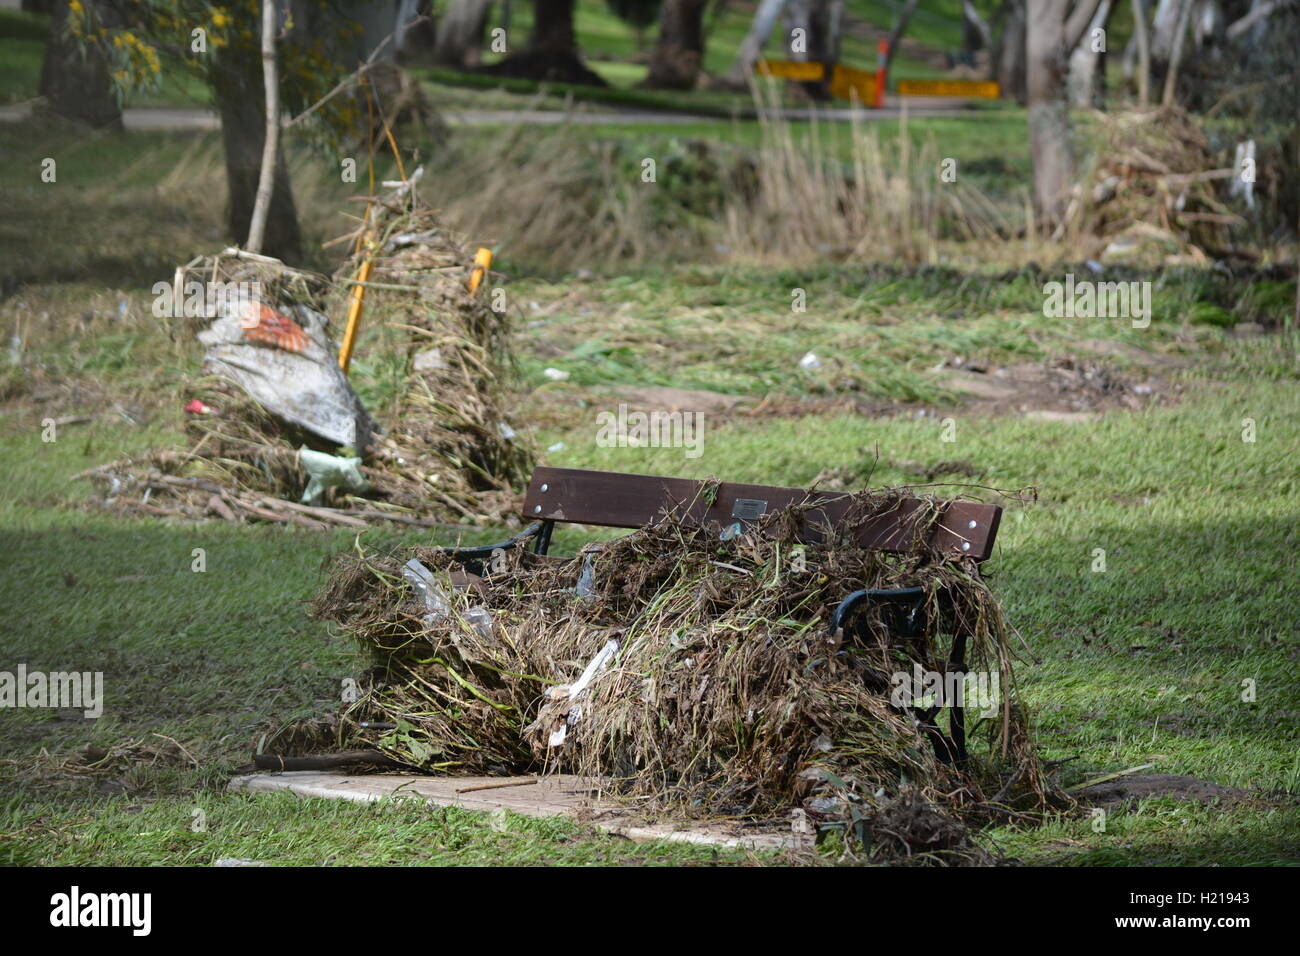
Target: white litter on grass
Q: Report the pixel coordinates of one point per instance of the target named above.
(809, 362)
(556, 374)
(329, 471)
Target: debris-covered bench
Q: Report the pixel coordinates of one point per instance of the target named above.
(964, 531)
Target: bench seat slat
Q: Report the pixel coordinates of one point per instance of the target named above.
(616, 500)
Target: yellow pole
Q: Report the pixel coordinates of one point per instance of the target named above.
(482, 263)
(354, 308)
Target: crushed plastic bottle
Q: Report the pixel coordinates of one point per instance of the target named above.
(587, 580)
(480, 618)
(435, 602)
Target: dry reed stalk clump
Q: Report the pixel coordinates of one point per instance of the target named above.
(804, 194)
(811, 204)
(725, 692)
(445, 453)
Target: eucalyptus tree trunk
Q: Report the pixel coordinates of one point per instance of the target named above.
(760, 29)
(1086, 81)
(679, 50)
(459, 41)
(1054, 28)
(74, 77)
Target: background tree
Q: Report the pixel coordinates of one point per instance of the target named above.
(760, 30)
(1054, 28)
(317, 45)
(552, 52)
(75, 75)
(640, 15)
(1007, 64)
(900, 27)
(459, 39)
(1087, 77)
(679, 50)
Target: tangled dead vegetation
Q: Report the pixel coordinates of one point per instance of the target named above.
(686, 673)
(442, 452)
(1152, 198)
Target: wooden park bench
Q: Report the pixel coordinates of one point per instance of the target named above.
(964, 529)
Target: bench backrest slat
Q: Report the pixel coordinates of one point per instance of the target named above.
(615, 500)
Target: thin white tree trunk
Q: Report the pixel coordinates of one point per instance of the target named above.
(1143, 40)
(1259, 12)
(751, 48)
(835, 25)
(971, 16)
(266, 181)
(460, 33)
(1083, 61)
(1176, 56)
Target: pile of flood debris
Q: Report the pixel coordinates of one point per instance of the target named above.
(686, 674)
(274, 428)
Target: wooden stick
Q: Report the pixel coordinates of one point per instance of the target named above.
(220, 508)
(408, 519)
(1176, 58)
(498, 786)
(324, 514)
(324, 761)
(1107, 777)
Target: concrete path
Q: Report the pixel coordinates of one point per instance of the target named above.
(552, 796)
(196, 118)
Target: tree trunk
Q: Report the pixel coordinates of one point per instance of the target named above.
(1164, 23)
(415, 39)
(834, 31)
(459, 42)
(243, 132)
(552, 50)
(1083, 79)
(975, 30)
(271, 136)
(1176, 54)
(1143, 40)
(897, 34)
(813, 17)
(675, 61)
(1254, 21)
(760, 29)
(1207, 28)
(75, 80)
(553, 27)
(1008, 61)
(1049, 118)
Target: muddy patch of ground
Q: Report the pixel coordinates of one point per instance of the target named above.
(1077, 388)
(1071, 389)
